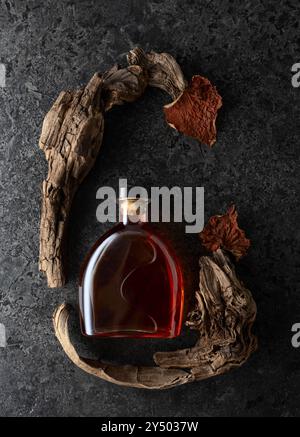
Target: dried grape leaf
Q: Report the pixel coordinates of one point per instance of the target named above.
(222, 231)
(194, 112)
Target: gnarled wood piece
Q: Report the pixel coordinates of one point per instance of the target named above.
(163, 71)
(223, 316)
(122, 85)
(71, 137)
(130, 376)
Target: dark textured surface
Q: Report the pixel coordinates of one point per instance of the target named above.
(247, 50)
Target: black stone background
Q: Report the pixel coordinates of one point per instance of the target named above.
(246, 49)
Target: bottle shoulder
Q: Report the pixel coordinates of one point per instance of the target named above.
(121, 240)
(120, 230)
(136, 232)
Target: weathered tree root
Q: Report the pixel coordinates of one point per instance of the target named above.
(224, 315)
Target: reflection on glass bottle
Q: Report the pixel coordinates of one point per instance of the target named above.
(131, 282)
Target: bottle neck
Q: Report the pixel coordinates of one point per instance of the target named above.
(132, 210)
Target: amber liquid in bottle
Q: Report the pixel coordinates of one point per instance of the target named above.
(131, 284)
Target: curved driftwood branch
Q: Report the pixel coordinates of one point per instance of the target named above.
(130, 376)
(73, 129)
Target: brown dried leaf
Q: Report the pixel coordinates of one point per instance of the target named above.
(194, 112)
(222, 231)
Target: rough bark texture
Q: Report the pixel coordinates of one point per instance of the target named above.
(223, 316)
(162, 69)
(123, 85)
(71, 137)
(72, 134)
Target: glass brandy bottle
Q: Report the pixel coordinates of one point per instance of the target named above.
(131, 282)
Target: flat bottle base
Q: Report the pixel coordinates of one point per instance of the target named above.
(130, 335)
